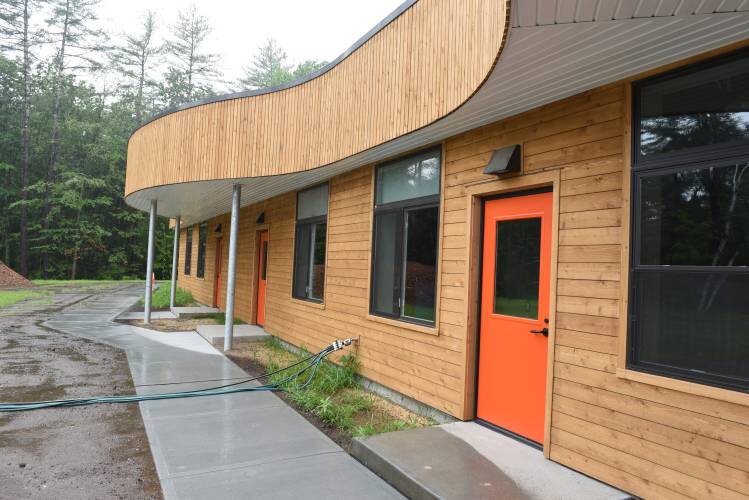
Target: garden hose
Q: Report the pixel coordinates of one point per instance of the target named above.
(313, 362)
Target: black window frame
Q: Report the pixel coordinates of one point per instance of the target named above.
(188, 251)
(301, 224)
(694, 158)
(401, 207)
(202, 247)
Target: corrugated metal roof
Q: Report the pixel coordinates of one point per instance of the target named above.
(541, 63)
(529, 13)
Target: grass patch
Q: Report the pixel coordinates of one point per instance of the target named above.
(335, 396)
(220, 319)
(8, 297)
(160, 298)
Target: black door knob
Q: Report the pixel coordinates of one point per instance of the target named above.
(543, 331)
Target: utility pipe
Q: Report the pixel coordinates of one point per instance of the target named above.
(149, 264)
(175, 259)
(229, 322)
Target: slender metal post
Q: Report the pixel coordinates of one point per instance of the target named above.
(229, 323)
(149, 263)
(175, 260)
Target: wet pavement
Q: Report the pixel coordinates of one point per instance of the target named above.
(464, 460)
(91, 452)
(246, 445)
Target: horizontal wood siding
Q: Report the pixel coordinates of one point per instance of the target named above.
(417, 69)
(651, 441)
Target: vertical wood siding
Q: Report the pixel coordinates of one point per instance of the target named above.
(417, 69)
(648, 440)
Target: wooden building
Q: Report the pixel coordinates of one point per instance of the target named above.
(531, 213)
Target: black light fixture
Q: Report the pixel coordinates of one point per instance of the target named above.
(218, 229)
(260, 218)
(504, 160)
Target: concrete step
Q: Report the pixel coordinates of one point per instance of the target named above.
(192, 312)
(214, 334)
(465, 460)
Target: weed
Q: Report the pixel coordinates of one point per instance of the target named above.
(160, 298)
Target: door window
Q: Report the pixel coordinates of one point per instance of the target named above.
(518, 259)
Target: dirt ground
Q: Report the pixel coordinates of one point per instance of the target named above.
(87, 452)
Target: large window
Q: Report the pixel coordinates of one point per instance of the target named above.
(202, 235)
(689, 309)
(309, 250)
(188, 251)
(406, 225)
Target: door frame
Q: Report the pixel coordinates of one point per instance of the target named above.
(264, 228)
(476, 194)
(218, 263)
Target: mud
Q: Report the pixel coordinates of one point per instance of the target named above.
(86, 452)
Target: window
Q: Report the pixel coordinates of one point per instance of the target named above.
(309, 251)
(202, 235)
(690, 262)
(188, 252)
(406, 225)
(517, 269)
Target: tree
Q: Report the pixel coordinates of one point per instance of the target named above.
(269, 68)
(134, 58)
(77, 42)
(18, 37)
(191, 68)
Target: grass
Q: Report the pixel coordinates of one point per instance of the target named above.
(220, 319)
(335, 396)
(160, 298)
(8, 297)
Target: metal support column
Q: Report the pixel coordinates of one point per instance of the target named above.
(229, 323)
(175, 260)
(149, 263)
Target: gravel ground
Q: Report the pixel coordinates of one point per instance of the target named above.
(87, 452)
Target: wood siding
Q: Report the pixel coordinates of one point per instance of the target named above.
(649, 440)
(418, 68)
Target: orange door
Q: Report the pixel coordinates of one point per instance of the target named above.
(218, 267)
(261, 278)
(514, 313)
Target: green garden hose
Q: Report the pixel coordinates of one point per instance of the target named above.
(313, 361)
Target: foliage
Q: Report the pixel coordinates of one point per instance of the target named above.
(334, 395)
(269, 68)
(161, 296)
(220, 319)
(62, 212)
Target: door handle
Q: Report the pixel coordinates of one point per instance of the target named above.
(543, 331)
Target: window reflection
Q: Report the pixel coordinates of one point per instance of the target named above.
(709, 106)
(697, 217)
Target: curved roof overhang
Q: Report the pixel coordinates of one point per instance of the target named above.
(521, 57)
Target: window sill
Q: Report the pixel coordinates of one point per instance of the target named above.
(707, 391)
(308, 303)
(430, 330)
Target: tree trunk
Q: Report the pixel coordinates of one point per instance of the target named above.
(23, 251)
(54, 141)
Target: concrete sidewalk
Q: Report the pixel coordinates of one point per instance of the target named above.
(465, 460)
(247, 445)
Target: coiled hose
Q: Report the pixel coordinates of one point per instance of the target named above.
(312, 363)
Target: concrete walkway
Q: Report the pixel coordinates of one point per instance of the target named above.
(247, 445)
(465, 460)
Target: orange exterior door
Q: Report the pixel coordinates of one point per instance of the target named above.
(513, 338)
(219, 270)
(261, 278)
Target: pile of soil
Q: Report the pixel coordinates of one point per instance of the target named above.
(11, 279)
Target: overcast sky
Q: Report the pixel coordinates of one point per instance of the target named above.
(305, 29)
